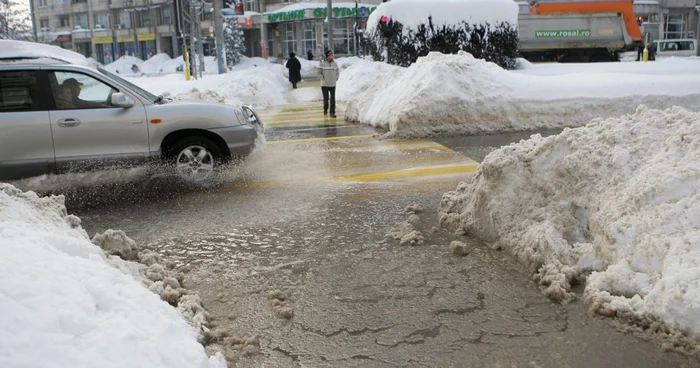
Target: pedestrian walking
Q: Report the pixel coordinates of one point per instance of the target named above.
(294, 67)
(328, 72)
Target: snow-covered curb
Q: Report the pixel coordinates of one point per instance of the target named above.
(618, 199)
(66, 302)
(458, 94)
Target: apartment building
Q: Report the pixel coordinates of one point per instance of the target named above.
(107, 29)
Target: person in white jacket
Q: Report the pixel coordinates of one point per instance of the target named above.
(328, 72)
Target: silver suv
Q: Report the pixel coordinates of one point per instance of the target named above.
(57, 117)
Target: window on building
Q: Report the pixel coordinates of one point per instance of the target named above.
(19, 91)
(43, 3)
(102, 21)
(44, 23)
(124, 19)
(251, 5)
(81, 20)
(343, 42)
(78, 1)
(143, 18)
(675, 26)
(308, 40)
(64, 20)
(163, 15)
(290, 38)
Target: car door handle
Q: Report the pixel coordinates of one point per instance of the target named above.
(68, 122)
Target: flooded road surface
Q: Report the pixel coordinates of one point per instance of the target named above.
(290, 255)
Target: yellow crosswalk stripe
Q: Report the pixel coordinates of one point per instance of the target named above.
(411, 173)
(303, 140)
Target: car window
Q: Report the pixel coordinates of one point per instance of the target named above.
(79, 91)
(19, 91)
(687, 45)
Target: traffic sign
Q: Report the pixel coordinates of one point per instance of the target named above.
(363, 12)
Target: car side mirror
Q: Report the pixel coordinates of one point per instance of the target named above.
(121, 100)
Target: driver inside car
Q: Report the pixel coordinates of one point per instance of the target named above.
(75, 89)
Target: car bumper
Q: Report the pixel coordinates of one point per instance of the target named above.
(240, 139)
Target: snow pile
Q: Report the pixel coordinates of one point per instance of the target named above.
(63, 302)
(619, 198)
(346, 62)
(308, 68)
(405, 232)
(411, 13)
(483, 97)
(675, 66)
(261, 87)
(360, 76)
(158, 64)
(124, 64)
(15, 49)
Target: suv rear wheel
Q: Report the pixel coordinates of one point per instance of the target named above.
(195, 158)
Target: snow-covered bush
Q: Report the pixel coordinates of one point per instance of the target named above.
(403, 30)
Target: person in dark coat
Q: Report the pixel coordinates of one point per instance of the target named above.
(294, 67)
(309, 55)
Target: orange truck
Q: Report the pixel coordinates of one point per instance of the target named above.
(577, 31)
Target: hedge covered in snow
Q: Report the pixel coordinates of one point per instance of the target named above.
(401, 31)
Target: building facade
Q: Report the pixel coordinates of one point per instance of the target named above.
(109, 29)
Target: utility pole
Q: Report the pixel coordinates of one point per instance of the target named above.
(219, 29)
(357, 29)
(330, 25)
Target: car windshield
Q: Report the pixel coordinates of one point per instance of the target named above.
(148, 95)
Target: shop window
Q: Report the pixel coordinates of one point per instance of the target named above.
(64, 21)
(343, 39)
(675, 26)
(309, 36)
(290, 38)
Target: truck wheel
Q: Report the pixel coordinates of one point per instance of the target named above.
(195, 158)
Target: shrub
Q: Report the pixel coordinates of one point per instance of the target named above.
(389, 42)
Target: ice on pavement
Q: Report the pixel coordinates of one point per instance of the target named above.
(64, 304)
(618, 199)
(411, 13)
(459, 94)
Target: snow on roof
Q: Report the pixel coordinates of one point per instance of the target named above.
(304, 6)
(411, 13)
(23, 49)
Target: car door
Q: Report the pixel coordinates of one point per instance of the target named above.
(26, 147)
(88, 131)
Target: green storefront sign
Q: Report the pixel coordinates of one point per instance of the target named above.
(563, 33)
(317, 13)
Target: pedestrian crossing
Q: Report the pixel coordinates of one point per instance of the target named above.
(304, 147)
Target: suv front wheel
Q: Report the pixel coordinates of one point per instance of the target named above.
(195, 158)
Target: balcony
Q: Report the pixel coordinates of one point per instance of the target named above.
(78, 6)
(118, 4)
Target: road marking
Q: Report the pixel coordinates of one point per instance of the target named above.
(305, 122)
(303, 140)
(411, 173)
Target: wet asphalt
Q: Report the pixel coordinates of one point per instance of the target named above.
(289, 249)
